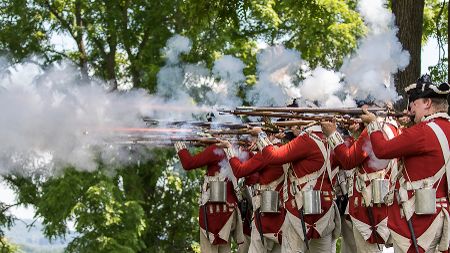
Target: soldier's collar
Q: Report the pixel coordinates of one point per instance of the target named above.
(435, 116)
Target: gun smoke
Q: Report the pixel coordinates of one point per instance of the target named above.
(51, 118)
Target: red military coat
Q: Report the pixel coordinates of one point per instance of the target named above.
(218, 214)
(270, 222)
(358, 155)
(306, 158)
(421, 152)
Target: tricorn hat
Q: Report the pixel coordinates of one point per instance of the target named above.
(424, 88)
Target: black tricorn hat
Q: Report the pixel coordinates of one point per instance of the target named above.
(210, 116)
(424, 88)
(293, 104)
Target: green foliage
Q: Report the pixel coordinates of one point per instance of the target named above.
(6, 222)
(121, 40)
(6, 246)
(323, 31)
(145, 208)
(436, 26)
(435, 20)
(439, 72)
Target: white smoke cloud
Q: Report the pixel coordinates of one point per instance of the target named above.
(320, 86)
(176, 46)
(276, 68)
(374, 162)
(194, 83)
(229, 68)
(46, 114)
(369, 72)
(51, 119)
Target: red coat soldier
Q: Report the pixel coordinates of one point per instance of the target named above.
(266, 226)
(419, 215)
(309, 224)
(366, 207)
(218, 220)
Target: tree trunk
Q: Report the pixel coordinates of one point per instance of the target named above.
(409, 20)
(79, 29)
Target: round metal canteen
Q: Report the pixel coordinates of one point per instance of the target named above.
(311, 202)
(380, 188)
(218, 191)
(269, 202)
(425, 202)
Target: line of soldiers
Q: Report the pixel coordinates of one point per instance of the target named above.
(394, 179)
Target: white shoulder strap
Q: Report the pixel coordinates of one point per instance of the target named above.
(393, 165)
(325, 153)
(444, 147)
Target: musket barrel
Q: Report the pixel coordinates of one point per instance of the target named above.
(348, 110)
(295, 123)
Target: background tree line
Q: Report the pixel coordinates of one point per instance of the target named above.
(151, 207)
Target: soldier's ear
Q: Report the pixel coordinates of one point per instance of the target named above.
(427, 102)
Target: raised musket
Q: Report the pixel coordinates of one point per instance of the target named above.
(201, 124)
(164, 140)
(340, 111)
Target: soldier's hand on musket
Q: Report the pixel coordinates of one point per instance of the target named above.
(280, 135)
(253, 146)
(179, 145)
(367, 117)
(328, 127)
(405, 120)
(224, 144)
(353, 128)
(255, 130)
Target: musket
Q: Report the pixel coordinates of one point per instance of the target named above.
(271, 127)
(295, 123)
(283, 115)
(168, 140)
(329, 117)
(202, 124)
(348, 110)
(229, 132)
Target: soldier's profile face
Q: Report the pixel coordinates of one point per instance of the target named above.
(418, 108)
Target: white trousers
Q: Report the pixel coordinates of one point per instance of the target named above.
(348, 244)
(271, 245)
(292, 243)
(243, 248)
(434, 243)
(362, 246)
(207, 247)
